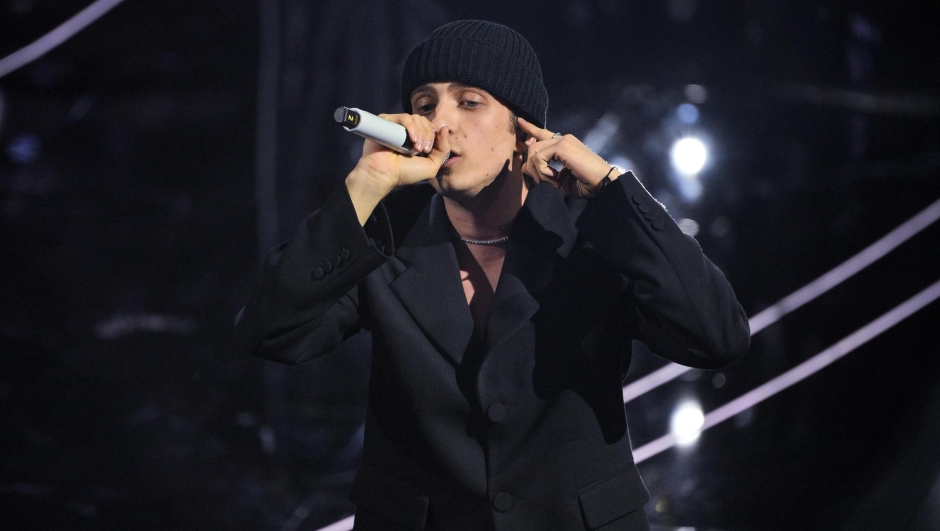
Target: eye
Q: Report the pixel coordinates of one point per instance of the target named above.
(423, 107)
(473, 104)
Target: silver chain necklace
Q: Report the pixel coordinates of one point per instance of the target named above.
(494, 241)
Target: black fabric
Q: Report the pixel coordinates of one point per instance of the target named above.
(581, 280)
(613, 497)
(481, 54)
(387, 497)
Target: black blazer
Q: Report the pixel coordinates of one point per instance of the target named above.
(525, 428)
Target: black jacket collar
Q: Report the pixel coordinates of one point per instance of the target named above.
(430, 287)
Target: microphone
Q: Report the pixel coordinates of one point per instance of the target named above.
(370, 126)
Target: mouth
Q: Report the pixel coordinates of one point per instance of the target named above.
(449, 161)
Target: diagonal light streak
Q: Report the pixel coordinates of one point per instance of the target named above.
(343, 525)
(56, 37)
(801, 371)
(807, 293)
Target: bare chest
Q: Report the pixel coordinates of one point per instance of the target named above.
(480, 266)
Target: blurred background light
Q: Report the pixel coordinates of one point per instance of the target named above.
(686, 422)
(622, 163)
(696, 94)
(23, 149)
(688, 226)
(606, 127)
(719, 226)
(687, 113)
(718, 380)
(688, 155)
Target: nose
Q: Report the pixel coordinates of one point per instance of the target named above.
(445, 115)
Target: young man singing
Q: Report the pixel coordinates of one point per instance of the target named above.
(501, 303)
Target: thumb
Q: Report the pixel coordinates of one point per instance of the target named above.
(441, 149)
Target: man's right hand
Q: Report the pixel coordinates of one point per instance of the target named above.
(380, 170)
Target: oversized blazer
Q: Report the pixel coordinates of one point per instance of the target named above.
(522, 428)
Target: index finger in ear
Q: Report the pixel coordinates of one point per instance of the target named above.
(531, 129)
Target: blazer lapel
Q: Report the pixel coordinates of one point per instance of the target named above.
(542, 235)
(430, 287)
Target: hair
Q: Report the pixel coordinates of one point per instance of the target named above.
(513, 124)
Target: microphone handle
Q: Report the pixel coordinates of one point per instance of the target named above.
(370, 126)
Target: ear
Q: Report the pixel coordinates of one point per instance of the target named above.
(521, 138)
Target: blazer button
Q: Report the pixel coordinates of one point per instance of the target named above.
(327, 266)
(317, 273)
(496, 412)
(637, 198)
(503, 502)
(344, 254)
(650, 216)
(644, 207)
(336, 260)
(657, 224)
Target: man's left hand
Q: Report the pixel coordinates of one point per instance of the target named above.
(583, 170)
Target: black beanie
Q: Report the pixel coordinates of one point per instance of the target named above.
(481, 54)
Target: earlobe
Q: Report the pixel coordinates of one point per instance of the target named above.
(521, 139)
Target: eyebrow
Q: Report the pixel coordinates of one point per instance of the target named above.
(452, 86)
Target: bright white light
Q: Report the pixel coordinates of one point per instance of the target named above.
(686, 423)
(688, 156)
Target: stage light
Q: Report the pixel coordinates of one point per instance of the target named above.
(687, 113)
(688, 156)
(686, 422)
(689, 226)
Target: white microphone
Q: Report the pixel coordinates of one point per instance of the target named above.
(380, 130)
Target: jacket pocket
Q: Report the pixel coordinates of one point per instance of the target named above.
(610, 498)
(399, 502)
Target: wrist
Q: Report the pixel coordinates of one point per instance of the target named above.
(366, 189)
(612, 174)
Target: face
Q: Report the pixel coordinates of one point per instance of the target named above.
(482, 138)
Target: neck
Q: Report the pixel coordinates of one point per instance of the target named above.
(488, 214)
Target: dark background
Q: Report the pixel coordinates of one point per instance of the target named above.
(149, 161)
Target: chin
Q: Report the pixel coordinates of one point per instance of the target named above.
(450, 185)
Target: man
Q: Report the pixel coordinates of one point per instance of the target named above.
(501, 303)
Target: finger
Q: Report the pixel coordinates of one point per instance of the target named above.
(438, 154)
(533, 130)
(542, 153)
(425, 135)
(408, 122)
(419, 132)
(537, 167)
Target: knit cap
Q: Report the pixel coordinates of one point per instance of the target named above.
(482, 54)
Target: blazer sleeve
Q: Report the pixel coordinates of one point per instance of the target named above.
(305, 301)
(684, 308)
